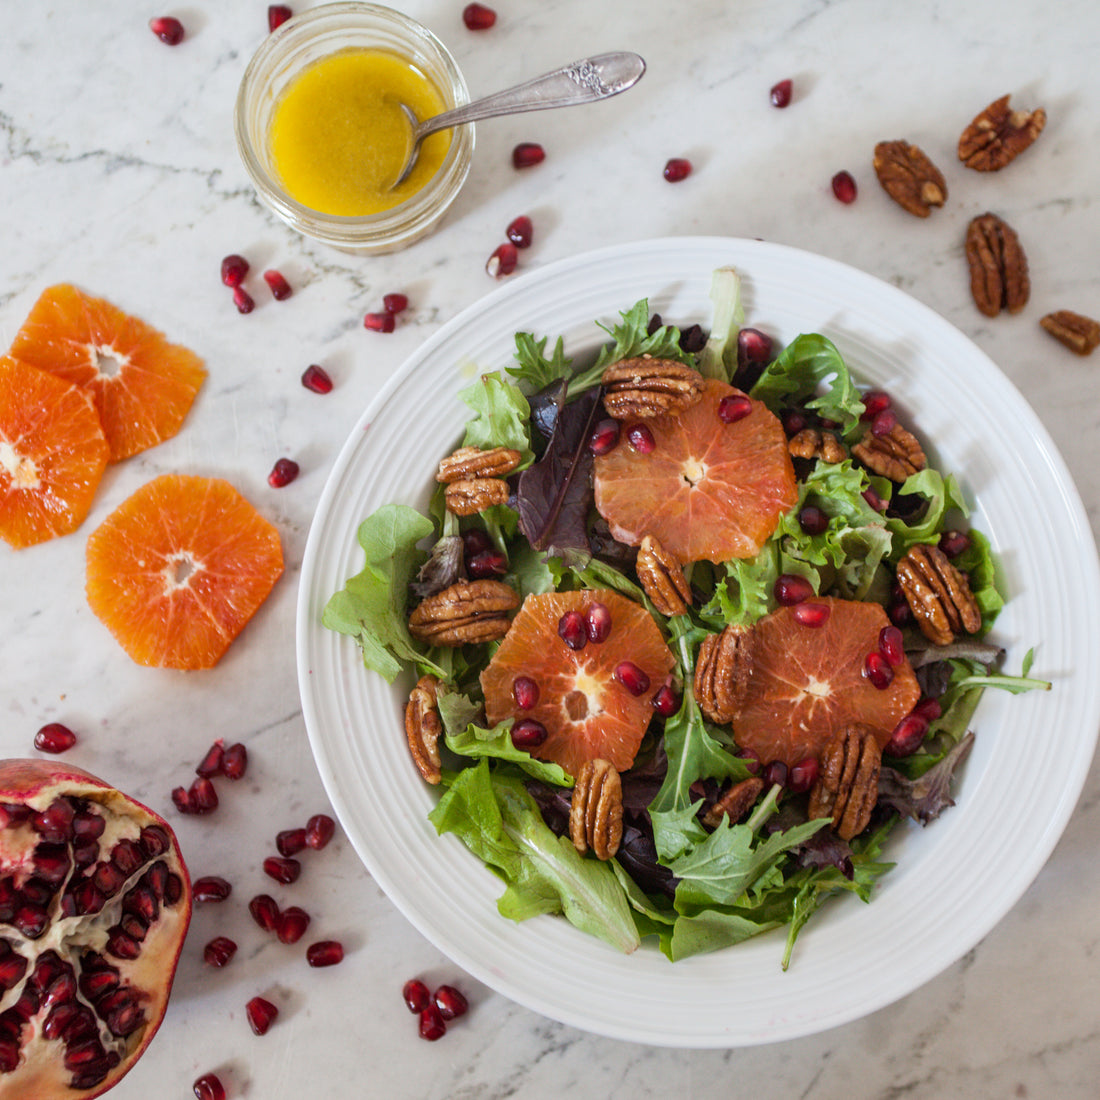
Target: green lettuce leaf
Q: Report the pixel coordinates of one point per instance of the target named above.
(942, 495)
(501, 416)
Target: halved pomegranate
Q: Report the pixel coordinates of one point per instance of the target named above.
(94, 906)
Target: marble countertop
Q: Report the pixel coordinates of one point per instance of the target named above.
(118, 172)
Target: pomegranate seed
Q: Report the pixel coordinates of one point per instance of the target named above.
(597, 622)
(211, 888)
(803, 775)
(891, 644)
(791, 589)
(475, 541)
(525, 692)
(290, 841)
(813, 520)
(490, 563)
(265, 911)
(219, 951)
(450, 1002)
(282, 869)
(873, 499)
(261, 1014)
(572, 631)
(325, 953)
(527, 154)
(54, 738)
(478, 17)
(167, 28)
(874, 402)
(780, 93)
(378, 322)
(794, 420)
(276, 281)
(182, 800)
(528, 734)
(734, 407)
(666, 702)
(928, 709)
(604, 437)
(520, 231)
(235, 762)
(277, 15)
(211, 763)
(844, 187)
(811, 614)
(395, 303)
(907, 736)
(952, 543)
(884, 422)
(417, 995)
(432, 1026)
(775, 774)
(877, 669)
(208, 1086)
(320, 829)
(503, 261)
(632, 677)
(243, 300)
(282, 473)
(640, 438)
(204, 799)
(234, 269)
(676, 169)
(293, 922)
(316, 379)
(753, 346)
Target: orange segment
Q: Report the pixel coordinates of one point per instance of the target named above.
(141, 384)
(177, 570)
(52, 454)
(708, 491)
(587, 712)
(808, 683)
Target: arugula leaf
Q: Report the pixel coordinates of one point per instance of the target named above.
(718, 359)
(534, 367)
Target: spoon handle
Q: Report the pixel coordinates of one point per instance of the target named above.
(583, 81)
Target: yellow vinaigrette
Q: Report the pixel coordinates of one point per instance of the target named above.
(339, 138)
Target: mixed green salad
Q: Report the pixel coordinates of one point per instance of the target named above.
(693, 887)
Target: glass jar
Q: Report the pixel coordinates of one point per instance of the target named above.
(309, 37)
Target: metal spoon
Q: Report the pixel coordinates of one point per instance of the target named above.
(584, 81)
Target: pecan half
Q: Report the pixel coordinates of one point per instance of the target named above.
(810, 443)
(999, 135)
(645, 387)
(847, 788)
(471, 462)
(909, 177)
(472, 495)
(662, 578)
(423, 727)
(466, 612)
(938, 595)
(596, 809)
(723, 670)
(1079, 333)
(896, 455)
(998, 266)
(735, 802)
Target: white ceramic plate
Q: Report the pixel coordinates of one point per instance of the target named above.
(954, 879)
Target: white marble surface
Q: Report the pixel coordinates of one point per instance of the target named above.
(118, 172)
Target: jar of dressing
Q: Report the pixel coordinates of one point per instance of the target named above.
(322, 137)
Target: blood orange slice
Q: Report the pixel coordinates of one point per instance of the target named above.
(588, 711)
(52, 454)
(141, 384)
(708, 490)
(177, 570)
(808, 683)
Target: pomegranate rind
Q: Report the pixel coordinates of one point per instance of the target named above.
(708, 491)
(52, 454)
(808, 683)
(151, 384)
(36, 783)
(616, 721)
(179, 568)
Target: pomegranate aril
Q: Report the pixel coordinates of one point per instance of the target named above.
(791, 589)
(432, 1025)
(525, 692)
(277, 284)
(953, 543)
(265, 911)
(282, 869)
(803, 775)
(604, 437)
(844, 187)
(277, 15)
(209, 1086)
(475, 541)
(234, 269)
(379, 322)
(450, 1002)
(641, 438)
(873, 499)
(395, 303)
(127, 856)
(503, 260)
(876, 668)
(811, 614)
(891, 644)
(416, 994)
(52, 862)
(734, 407)
(520, 231)
(122, 946)
(211, 763)
(884, 422)
(907, 736)
(478, 17)
(597, 622)
(490, 563)
(813, 520)
(874, 402)
(55, 822)
(293, 922)
(693, 339)
(320, 829)
(12, 969)
(173, 889)
(54, 738)
(141, 901)
(928, 709)
(204, 799)
(9, 1054)
(780, 94)
(316, 379)
(236, 761)
(153, 839)
(632, 677)
(243, 300)
(219, 951)
(290, 841)
(676, 169)
(261, 1014)
(182, 800)
(528, 734)
(775, 773)
(572, 631)
(666, 702)
(210, 888)
(167, 28)
(527, 154)
(282, 473)
(793, 420)
(325, 953)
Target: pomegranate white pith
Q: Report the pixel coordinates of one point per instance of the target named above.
(94, 907)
